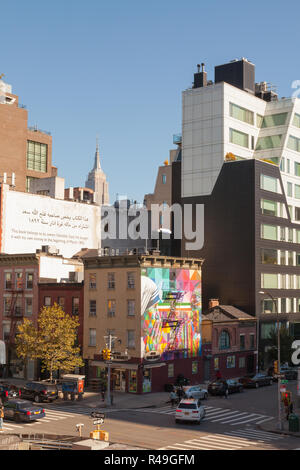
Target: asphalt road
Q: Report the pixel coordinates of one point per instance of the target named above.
(229, 424)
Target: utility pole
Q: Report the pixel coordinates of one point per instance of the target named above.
(108, 340)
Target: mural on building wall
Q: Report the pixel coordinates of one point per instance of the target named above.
(171, 313)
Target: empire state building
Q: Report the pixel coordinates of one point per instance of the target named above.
(97, 181)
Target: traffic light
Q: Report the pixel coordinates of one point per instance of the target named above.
(276, 370)
(104, 354)
(108, 354)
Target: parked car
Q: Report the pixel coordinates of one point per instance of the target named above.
(189, 410)
(22, 410)
(216, 387)
(258, 380)
(195, 391)
(8, 391)
(288, 373)
(39, 391)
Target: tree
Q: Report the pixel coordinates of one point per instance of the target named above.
(53, 341)
(286, 341)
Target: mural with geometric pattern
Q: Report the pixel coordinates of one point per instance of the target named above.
(171, 312)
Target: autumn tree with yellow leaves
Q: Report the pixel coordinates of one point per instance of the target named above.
(53, 341)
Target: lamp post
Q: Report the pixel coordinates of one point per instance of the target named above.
(280, 426)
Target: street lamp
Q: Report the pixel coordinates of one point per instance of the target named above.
(280, 426)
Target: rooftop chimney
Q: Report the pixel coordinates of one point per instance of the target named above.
(213, 303)
(200, 78)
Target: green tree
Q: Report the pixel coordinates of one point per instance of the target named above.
(53, 341)
(286, 341)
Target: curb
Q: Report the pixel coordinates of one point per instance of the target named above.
(277, 431)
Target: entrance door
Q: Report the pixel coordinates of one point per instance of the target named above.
(250, 364)
(119, 380)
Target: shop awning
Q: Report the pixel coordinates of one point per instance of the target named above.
(115, 365)
(152, 366)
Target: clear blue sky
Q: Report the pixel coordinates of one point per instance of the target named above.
(116, 68)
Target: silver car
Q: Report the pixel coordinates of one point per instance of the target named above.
(195, 391)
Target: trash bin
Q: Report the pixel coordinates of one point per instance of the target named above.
(293, 423)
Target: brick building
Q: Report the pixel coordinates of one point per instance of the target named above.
(233, 345)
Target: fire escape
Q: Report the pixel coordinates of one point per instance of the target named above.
(173, 322)
(15, 314)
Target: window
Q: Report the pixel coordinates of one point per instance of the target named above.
(293, 143)
(282, 165)
(18, 307)
(282, 258)
(269, 281)
(8, 280)
(75, 306)
(269, 232)
(298, 236)
(273, 120)
(268, 306)
(28, 306)
(242, 362)
(290, 258)
(238, 138)
(290, 235)
(282, 234)
(269, 207)
(164, 179)
(130, 281)
(111, 308)
(283, 305)
(7, 306)
(36, 156)
(252, 342)
(29, 280)
(92, 281)
(131, 308)
(194, 367)
(288, 166)
(268, 183)
(283, 281)
(242, 342)
(230, 364)
(130, 339)
(93, 308)
(266, 330)
(61, 302)
(224, 340)
(297, 282)
(19, 280)
(242, 114)
(170, 370)
(297, 216)
(47, 301)
(297, 169)
(268, 256)
(92, 337)
(6, 331)
(297, 191)
(289, 189)
(216, 363)
(111, 281)
(268, 142)
(297, 259)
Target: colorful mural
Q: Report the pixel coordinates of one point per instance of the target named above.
(171, 313)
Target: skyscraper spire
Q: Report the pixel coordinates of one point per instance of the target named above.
(97, 165)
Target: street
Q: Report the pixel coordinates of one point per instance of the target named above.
(228, 424)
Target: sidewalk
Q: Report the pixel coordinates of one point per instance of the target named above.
(272, 426)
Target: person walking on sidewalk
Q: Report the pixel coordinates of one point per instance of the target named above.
(1, 417)
(225, 389)
(173, 398)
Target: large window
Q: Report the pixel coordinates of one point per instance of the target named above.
(297, 169)
(111, 308)
(269, 183)
(242, 114)
(130, 339)
(268, 142)
(93, 308)
(269, 232)
(269, 281)
(36, 156)
(296, 120)
(238, 138)
(297, 191)
(224, 340)
(8, 280)
(268, 256)
(269, 207)
(92, 337)
(293, 143)
(272, 120)
(268, 306)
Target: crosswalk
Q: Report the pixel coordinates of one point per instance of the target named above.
(50, 416)
(218, 415)
(232, 440)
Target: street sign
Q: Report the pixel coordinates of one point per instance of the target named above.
(97, 414)
(98, 421)
(284, 381)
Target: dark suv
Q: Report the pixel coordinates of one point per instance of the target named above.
(8, 391)
(39, 391)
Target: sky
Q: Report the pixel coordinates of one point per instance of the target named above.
(116, 69)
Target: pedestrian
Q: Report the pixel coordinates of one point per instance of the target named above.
(1, 417)
(225, 389)
(173, 398)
